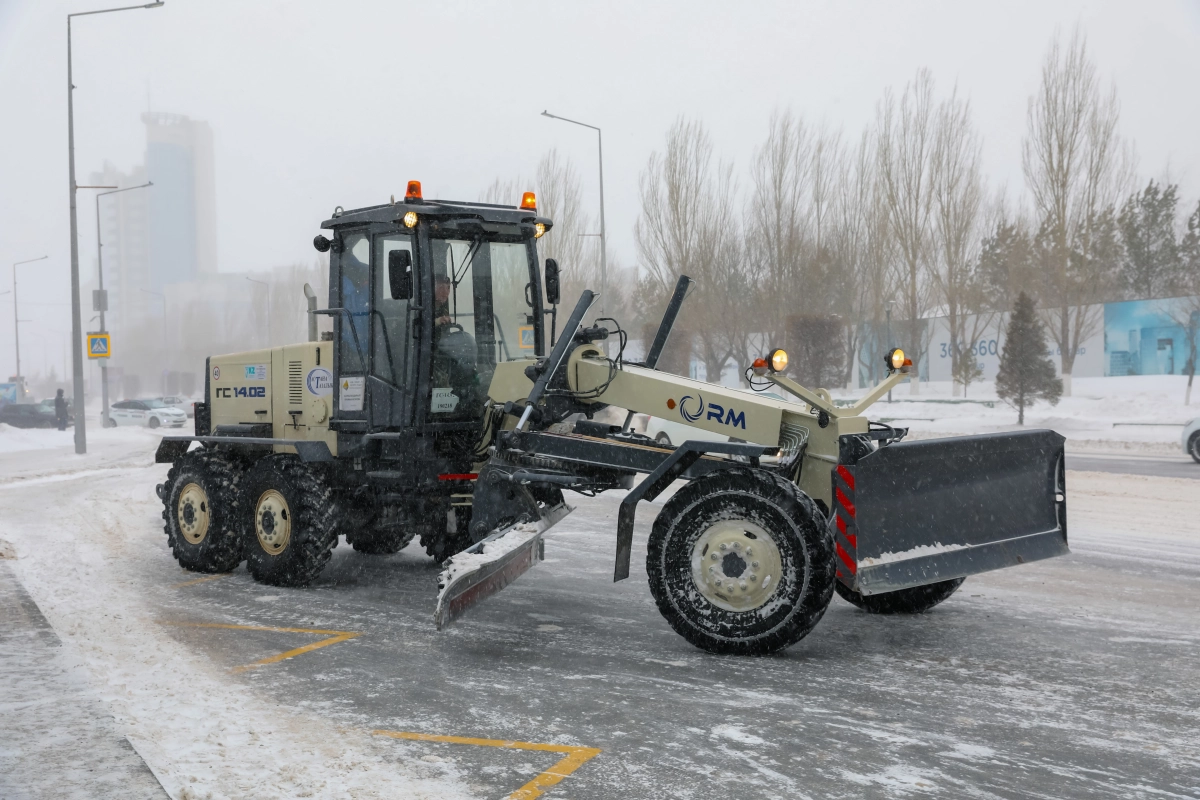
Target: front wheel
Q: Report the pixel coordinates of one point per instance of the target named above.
(1194, 447)
(916, 600)
(153, 423)
(740, 562)
(291, 522)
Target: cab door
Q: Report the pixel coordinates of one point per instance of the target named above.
(389, 383)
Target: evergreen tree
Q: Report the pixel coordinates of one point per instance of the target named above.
(1026, 371)
(1150, 267)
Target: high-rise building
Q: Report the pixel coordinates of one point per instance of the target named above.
(165, 234)
(182, 223)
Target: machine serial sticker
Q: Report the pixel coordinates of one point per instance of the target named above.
(351, 398)
(256, 372)
(319, 382)
(444, 401)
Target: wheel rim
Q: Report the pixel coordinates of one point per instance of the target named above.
(193, 513)
(736, 565)
(273, 522)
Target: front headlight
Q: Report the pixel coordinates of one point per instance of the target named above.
(778, 360)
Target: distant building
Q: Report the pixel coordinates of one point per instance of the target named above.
(183, 210)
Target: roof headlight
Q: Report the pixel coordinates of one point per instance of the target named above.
(778, 360)
(410, 219)
(539, 229)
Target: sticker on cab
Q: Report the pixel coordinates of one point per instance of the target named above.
(444, 401)
(351, 397)
(256, 372)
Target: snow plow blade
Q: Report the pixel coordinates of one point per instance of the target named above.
(486, 567)
(915, 513)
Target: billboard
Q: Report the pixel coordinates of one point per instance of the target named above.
(1148, 337)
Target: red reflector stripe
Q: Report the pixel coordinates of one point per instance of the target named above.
(841, 523)
(845, 501)
(847, 476)
(849, 562)
(458, 476)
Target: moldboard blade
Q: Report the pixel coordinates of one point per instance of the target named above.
(464, 585)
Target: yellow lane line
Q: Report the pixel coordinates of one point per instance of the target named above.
(205, 579)
(336, 637)
(575, 757)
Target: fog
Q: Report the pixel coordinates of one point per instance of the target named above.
(314, 105)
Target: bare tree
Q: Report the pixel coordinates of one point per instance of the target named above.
(1076, 166)
(685, 228)
(906, 143)
(958, 192)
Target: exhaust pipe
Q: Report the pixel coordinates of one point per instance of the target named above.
(312, 317)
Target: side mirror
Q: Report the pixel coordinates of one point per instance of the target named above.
(400, 274)
(553, 289)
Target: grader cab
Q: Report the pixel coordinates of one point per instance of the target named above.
(444, 407)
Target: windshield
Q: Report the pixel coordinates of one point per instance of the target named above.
(154, 404)
(483, 314)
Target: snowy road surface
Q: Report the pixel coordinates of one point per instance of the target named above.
(1073, 678)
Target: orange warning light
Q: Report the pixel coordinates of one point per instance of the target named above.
(529, 201)
(414, 191)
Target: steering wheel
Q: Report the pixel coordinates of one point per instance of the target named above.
(449, 325)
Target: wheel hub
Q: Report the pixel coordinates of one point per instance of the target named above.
(273, 522)
(736, 565)
(193, 513)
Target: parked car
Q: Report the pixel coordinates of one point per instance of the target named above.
(28, 415)
(184, 404)
(151, 413)
(1191, 439)
(48, 403)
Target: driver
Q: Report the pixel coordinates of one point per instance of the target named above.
(441, 300)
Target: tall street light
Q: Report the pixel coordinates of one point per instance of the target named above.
(102, 299)
(76, 322)
(17, 322)
(268, 287)
(603, 238)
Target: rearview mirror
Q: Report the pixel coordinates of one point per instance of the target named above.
(400, 274)
(552, 287)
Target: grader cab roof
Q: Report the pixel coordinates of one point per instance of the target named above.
(439, 209)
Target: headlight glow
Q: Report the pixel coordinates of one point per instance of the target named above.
(778, 360)
(410, 219)
(539, 228)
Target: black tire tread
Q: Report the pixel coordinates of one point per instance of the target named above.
(223, 552)
(316, 533)
(821, 577)
(916, 600)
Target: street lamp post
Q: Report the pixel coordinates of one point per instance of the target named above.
(268, 287)
(603, 238)
(76, 321)
(104, 299)
(890, 303)
(17, 322)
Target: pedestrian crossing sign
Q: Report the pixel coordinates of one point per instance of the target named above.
(98, 345)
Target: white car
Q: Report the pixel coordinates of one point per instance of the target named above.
(184, 404)
(1191, 439)
(147, 413)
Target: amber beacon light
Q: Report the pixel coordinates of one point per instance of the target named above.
(414, 191)
(529, 201)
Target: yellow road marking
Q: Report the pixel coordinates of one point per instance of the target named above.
(575, 757)
(205, 579)
(335, 637)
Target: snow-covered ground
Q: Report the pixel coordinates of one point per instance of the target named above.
(1137, 413)
(78, 531)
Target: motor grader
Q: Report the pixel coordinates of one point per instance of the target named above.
(444, 406)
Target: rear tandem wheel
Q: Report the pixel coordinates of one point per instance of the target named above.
(292, 521)
(201, 513)
(740, 562)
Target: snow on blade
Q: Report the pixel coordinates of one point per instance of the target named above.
(917, 552)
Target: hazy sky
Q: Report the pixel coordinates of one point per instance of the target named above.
(339, 103)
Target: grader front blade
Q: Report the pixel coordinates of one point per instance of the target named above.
(915, 513)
